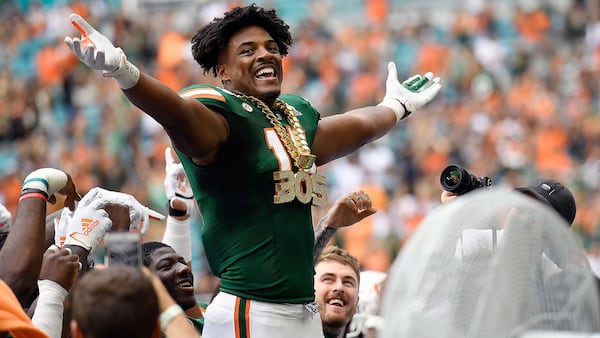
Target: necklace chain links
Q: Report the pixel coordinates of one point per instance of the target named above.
(298, 147)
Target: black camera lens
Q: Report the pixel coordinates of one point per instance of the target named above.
(458, 180)
(452, 177)
(455, 179)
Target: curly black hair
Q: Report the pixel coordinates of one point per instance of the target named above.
(148, 249)
(210, 40)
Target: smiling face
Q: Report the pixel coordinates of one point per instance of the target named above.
(175, 275)
(336, 290)
(251, 64)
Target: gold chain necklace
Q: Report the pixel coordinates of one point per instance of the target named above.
(298, 147)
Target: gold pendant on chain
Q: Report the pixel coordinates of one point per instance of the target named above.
(306, 161)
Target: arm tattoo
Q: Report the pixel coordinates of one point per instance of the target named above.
(322, 236)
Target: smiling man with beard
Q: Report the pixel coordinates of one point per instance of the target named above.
(336, 289)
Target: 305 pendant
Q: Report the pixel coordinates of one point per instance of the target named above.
(306, 161)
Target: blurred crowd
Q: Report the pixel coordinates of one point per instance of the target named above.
(520, 99)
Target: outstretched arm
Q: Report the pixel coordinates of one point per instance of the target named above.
(195, 130)
(347, 210)
(341, 134)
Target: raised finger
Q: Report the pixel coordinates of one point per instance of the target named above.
(81, 25)
(155, 215)
(392, 72)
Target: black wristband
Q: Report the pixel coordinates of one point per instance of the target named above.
(176, 212)
(33, 191)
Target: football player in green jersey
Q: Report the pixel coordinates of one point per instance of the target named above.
(251, 155)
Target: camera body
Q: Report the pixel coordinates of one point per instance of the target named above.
(460, 181)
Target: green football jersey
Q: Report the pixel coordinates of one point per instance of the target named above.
(198, 323)
(260, 249)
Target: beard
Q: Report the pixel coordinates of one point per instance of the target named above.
(335, 323)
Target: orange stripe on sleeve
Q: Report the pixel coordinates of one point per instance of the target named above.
(208, 93)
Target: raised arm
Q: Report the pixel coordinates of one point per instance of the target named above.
(341, 134)
(21, 255)
(58, 274)
(181, 204)
(196, 130)
(347, 210)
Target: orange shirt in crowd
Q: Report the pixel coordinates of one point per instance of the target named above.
(169, 59)
(12, 317)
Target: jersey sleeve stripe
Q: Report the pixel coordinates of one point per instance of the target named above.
(207, 93)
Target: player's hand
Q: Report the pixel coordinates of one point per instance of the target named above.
(139, 214)
(349, 209)
(119, 215)
(70, 193)
(5, 219)
(47, 182)
(89, 222)
(98, 53)
(406, 97)
(61, 266)
(177, 186)
(93, 48)
(447, 196)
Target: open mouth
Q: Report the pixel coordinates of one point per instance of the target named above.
(265, 73)
(185, 285)
(336, 302)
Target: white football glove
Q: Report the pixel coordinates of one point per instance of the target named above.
(88, 224)
(98, 53)
(60, 227)
(5, 219)
(177, 185)
(406, 97)
(139, 214)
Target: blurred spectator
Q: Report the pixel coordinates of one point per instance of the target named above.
(531, 109)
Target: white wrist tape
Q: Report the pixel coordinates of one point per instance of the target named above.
(168, 315)
(178, 236)
(49, 180)
(127, 75)
(48, 315)
(399, 108)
